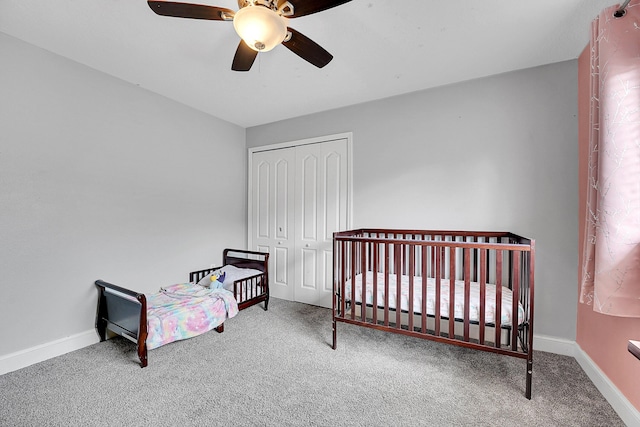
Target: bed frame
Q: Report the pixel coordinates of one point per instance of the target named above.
(501, 258)
(124, 312)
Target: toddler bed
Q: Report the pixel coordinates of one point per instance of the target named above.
(184, 310)
(245, 273)
(381, 276)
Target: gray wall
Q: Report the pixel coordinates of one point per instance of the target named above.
(101, 179)
(498, 153)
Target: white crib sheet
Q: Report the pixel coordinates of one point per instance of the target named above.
(474, 312)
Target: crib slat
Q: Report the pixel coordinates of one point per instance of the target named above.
(483, 293)
(467, 292)
(434, 261)
(411, 290)
(343, 281)
(334, 301)
(423, 317)
(474, 260)
(498, 319)
(452, 291)
(375, 270)
(515, 299)
(438, 255)
(353, 264)
(363, 288)
(386, 284)
(398, 252)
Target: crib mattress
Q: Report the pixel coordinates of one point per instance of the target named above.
(186, 310)
(474, 311)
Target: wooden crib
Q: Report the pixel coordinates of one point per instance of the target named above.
(486, 279)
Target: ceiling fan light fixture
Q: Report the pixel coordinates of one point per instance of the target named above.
(261, 28)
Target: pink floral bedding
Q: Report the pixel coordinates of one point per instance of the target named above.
(186, 310)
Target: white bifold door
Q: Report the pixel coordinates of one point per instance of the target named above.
(298, 196)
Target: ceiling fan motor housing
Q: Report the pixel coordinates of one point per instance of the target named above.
(260, 27)
(285, 8)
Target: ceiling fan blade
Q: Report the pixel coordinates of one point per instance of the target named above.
(307, 49)
(244, 57)
(188, 10)
(307, 7)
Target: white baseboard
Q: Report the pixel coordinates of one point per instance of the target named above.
(625, 410)
(554, 345)
(22, 359)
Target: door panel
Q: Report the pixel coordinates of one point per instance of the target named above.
(282, 190)
(332, 196)
(281, 266)
(272, 223)
(309, 266)
(321, 209)
(328, 270)
(309, 175)
(263, 200)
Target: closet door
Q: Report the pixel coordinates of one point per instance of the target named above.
(299, 198)
(320, 210)
(272, 205)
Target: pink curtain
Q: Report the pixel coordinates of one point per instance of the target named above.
(611, 269)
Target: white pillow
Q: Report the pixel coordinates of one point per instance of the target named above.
(233, 273)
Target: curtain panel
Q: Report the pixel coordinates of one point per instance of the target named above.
(610, 279)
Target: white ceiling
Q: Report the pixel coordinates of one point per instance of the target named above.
(380, 49)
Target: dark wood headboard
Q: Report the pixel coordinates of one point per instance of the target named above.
(246, 259)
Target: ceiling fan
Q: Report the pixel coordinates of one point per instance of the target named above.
(261, 25)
